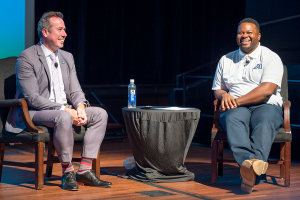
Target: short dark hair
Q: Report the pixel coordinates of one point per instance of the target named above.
(250, 20)
(45, 21)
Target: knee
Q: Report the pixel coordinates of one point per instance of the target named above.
(100, 113)
(237, 115)
(237, 119)
(230, 118)
(267, 122)
(65, 118)
(269, 117)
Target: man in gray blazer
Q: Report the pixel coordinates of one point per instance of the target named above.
(46, 78)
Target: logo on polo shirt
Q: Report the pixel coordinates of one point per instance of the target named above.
(258, 66)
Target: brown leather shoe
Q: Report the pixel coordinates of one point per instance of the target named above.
(248, 176)
(249, 170)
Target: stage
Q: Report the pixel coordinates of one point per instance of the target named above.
(18, 182)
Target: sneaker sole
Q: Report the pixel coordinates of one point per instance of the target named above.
(260, 167)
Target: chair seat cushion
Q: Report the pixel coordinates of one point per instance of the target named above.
(25, 136)
(280, 137)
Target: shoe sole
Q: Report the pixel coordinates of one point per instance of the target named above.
(248, 176)
(260, 167)
(69, 189)
(85, 184)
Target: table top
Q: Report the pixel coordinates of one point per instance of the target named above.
(161, 109)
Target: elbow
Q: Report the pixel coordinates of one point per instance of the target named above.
(268, 93)
(268, 89)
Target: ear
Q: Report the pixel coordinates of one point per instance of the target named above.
(45, 32)
(259, 36)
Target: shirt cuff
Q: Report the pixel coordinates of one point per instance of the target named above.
(82, 103)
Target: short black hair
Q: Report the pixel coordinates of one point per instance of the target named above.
(250, 20)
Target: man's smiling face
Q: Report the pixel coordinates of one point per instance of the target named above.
(248, 37)
(55, 37)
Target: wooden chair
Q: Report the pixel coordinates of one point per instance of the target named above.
(284, 137)
(38, 135)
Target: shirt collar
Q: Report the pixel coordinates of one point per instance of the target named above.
(252, 55)
(46, 51)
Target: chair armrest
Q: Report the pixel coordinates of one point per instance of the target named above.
(24, 111)
(216, 115)
(286, 116)
(10, 103)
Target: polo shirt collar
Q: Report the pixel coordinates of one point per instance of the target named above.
(252, 55)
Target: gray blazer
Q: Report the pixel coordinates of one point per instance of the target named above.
(33, 83)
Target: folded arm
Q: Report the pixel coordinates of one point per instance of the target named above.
(257, 95)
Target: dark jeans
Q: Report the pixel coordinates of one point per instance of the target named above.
(251, 130)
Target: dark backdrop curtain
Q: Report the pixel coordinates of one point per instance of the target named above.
(151, 40)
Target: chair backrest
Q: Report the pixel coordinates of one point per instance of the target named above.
(284, 85)
(7, 85)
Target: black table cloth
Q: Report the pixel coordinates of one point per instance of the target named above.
(160, 138)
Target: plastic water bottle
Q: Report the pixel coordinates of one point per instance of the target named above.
(131, 94)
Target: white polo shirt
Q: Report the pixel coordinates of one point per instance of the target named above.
(238, 73)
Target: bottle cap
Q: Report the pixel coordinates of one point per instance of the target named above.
(131, 80)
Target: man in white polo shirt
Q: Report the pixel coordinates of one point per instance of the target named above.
(248, 82)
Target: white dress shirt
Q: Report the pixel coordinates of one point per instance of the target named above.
(47, 53)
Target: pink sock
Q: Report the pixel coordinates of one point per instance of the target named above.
(85, 165)
(67, 167)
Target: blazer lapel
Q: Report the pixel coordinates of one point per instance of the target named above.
(43, 61)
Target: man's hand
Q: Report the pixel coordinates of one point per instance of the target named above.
(227, 101)
(81, 114)
(73, 114)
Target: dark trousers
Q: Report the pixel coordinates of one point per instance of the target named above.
(251, 130)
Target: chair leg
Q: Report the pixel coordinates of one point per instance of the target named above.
(96, 165)
(2, 149)
(282, 158)
(214, 161)
(287, 163)
(220, 155)
(39, 162)
(51, 152)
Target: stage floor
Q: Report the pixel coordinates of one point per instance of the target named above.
(18, 182)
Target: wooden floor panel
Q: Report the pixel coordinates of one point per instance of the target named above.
(18, 183)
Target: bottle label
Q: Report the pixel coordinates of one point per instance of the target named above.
(132, 98)
(132, 92)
